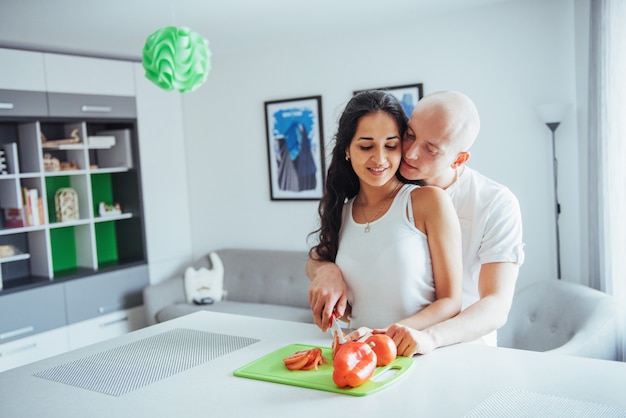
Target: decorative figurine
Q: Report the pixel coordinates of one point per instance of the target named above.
(66, 202)
(108, 210)
(53, 143)
(50, 163)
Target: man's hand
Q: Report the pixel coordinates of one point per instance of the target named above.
(409, 341)
(327, 292)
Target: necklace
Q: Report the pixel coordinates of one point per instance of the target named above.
(368, 228)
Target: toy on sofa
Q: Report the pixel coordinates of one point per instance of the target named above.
(205, 286)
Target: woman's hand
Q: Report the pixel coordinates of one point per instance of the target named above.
(361, 334)
(410, 341)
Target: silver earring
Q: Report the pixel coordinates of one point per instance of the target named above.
(347, 158)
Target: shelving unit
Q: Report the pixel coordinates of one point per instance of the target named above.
(54, 249)
(77, 280)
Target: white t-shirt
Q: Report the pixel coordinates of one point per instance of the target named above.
(491, 229)
(388, 270)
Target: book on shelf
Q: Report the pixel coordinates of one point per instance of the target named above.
(33, 207)
(40, 210)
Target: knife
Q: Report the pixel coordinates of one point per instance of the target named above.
(336, 329)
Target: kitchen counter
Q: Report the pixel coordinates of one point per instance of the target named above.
(196, 380)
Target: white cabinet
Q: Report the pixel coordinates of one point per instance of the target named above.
(75, 279)
(60, 340)
(26, 350)
(104, 327)
(83, 75)
(22, 70)
(22, 83)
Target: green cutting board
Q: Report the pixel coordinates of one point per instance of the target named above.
(272, 369)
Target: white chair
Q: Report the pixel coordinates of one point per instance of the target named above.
(566, 318)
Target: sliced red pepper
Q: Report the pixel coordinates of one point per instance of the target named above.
(305, 359)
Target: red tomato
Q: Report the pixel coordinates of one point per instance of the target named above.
(384, 347)
(354, 364)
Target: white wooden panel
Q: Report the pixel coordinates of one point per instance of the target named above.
(105, 327)
(11, 193)
(39, 246)
(85, 246)
(22, 70)
(29, 149)
(10, 153)
(82, 75)
(26, 350)
(120, 154)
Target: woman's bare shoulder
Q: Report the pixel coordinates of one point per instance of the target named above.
(429, 192)
(429, 199)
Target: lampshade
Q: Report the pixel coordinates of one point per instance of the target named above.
(177, 58)
(552, 112)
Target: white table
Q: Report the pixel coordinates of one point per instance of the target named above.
(449, 382)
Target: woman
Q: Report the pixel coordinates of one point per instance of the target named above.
(398, 246)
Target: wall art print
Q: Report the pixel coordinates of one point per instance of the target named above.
(295, 148)
(408, 95)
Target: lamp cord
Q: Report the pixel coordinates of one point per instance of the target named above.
(557, 206)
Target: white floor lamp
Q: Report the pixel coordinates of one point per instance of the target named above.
(552, 115)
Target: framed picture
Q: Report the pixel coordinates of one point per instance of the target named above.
(295, 148)
(408, 95)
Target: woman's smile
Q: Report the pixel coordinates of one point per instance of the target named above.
(377, 171)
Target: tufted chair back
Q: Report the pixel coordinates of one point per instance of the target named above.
(562, 317)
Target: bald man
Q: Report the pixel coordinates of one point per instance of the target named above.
(442, 128)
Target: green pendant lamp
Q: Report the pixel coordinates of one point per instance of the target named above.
(177, 58)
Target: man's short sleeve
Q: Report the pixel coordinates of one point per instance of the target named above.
(502, 238)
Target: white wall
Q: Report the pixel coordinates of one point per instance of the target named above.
(163, 179)
(582, 15)
(508, 58)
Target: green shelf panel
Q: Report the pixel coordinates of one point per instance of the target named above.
(106, 243)
(52, 185)
(101, 189)
(63, 243)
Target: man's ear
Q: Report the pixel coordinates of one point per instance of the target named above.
(461, 159)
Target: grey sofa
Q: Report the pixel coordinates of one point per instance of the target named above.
(265, 283)
(563, 318)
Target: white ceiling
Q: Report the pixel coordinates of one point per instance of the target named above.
(118, 28)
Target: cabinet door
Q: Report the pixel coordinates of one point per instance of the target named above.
(30, 349)
(31, 311)
(105, 327)
(22, 70)
(91, 106)
(82, 75)
(104, 293)
(23, 103)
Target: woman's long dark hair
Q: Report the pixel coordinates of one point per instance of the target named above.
(342, 182)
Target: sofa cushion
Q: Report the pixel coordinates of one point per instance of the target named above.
(256, 276)
(266, 276)
(263, 310)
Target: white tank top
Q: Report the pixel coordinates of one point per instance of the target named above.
(388, 270)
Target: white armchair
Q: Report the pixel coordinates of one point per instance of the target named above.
(566, 318)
